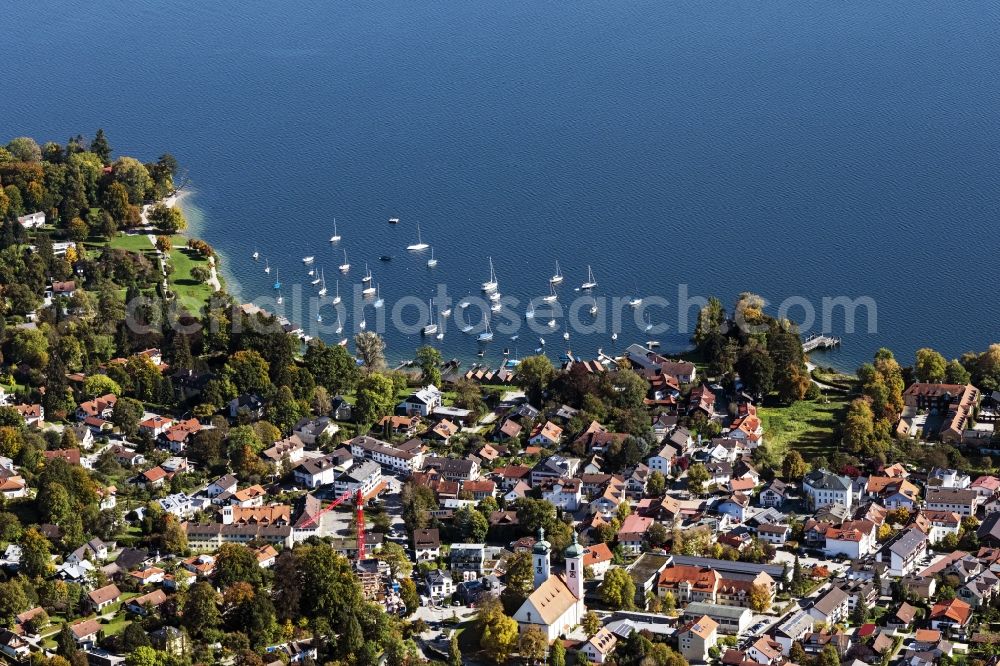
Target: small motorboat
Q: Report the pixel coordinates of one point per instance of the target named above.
(393, 220)
(541, 341)
(566, 335)
(614, 336)
(255, 255)
(308, 260)
(635, 302)
(446, 312)
(496, 307)
(552, 323)
(267, 267)
(386, 257)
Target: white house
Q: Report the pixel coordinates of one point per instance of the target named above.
(697, 637)
(563, 493)
(32, 220)
(364, 477)
(855, 539)
(832, 607)
(823, 488)
(599, 646)
(422, 402)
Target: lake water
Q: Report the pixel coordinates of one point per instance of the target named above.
(795, 149)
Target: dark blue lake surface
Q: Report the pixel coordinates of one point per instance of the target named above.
(794, 149)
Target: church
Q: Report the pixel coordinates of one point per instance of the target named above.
(556, 605)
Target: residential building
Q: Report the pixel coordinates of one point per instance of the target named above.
(309, 430)
(365, 477)
(696, 637)
(831, 608)
(793, 628)
(854, 538)
(422, 402)
(562, 493)
(774, 494)
(426, 544)
(103, 597)
(453, 469)
(599, 646)
(731, 620)
(823, 488)
(952, 615)
(387, 455)
(904, 552)
(963, 501)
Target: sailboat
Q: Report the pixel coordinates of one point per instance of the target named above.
(311, 272)
(649, 324)
(431, 328)
(614, 336)
(368, 274)
(635, 301)
(379, 301)
(336, 298)
(496, 306)
(308, 260)
(593, 308)
(277, 282)
(419, 245)
(440, 335)
(495, 296)
(566, 335)
(280, 298)
(432, 262)
(322, 279)
(486, 335)
(335, 237)
(255, 255)
(369, 290)
(362, 324)
(558, 277)
(591, 282)
(446, 312)
(340, 326)
(552, 295)
(552, 323)
(344, 267)
(466, 326)
(267, 267)
(530, 314)
(491, 285)
(315, 281)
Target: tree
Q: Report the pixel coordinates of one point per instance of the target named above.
(174, 537)
(756, 370)
(395, 556)
(558, 654)
(860, 613)
(376, 397)
(829, 656)
(13, 600)
(168, 219)
(520, 576)
(100, 147)
(201, 613)
(930, 366)
(236, 563)
(760, 598)
(472, 526)
(331, 366)
(134, 177)
(591, 623)
(371, 348)
(35, 553)
(127, 414)
(797, 654)
(534, 374)
(657, 535)
(454, 653)
(54, 503)
(618, 589)
(248, 372)
(656, 484)
(428, 359)
(499, 638)
(409, 595)
(697, 475)
(25, 149)
(533, 643)
(794, 466)
(284, 411)
(859, 427)
(143, 656)
(98, 385)
(955, 373)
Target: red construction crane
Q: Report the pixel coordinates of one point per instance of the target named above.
(360, 516)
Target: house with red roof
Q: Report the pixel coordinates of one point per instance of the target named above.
(598, 557)
(953, 615)
(633, 531)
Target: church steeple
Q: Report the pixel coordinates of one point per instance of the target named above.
(540, 558)
(574, 567)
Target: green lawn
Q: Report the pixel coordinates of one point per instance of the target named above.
(807, 426)
(132, 243)
(190, 293)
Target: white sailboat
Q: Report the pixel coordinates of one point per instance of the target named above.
(495, 296)
(446, 312)
(649, 324)
(308, 260)
(340, 326)
(591, 282)
(491, 284)
(362, 324)
(496, 307)
(267, 267)
(440, 334)
(558, 277)
(593, 307)
(335, 237)
(379, 301)
(486, 335)
(635, 302)
(419, 245)
(322, 281)
(368, 274)
(344, 267)
(614, 336)
(369, 290)
(315, 281)
(530, 314)
(311, 272)
(255, 255)
(431, 328)
(552, 295)
(336, 298)
(566, 335)
(432, 262)
(552, 323)
(466, 326)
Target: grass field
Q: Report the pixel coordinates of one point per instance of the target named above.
(132, 243)
(191, 293)
(807, 426)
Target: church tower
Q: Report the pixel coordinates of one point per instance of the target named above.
(574, 567)
(540, 558)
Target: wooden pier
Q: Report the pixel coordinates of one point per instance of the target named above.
(814, 342)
